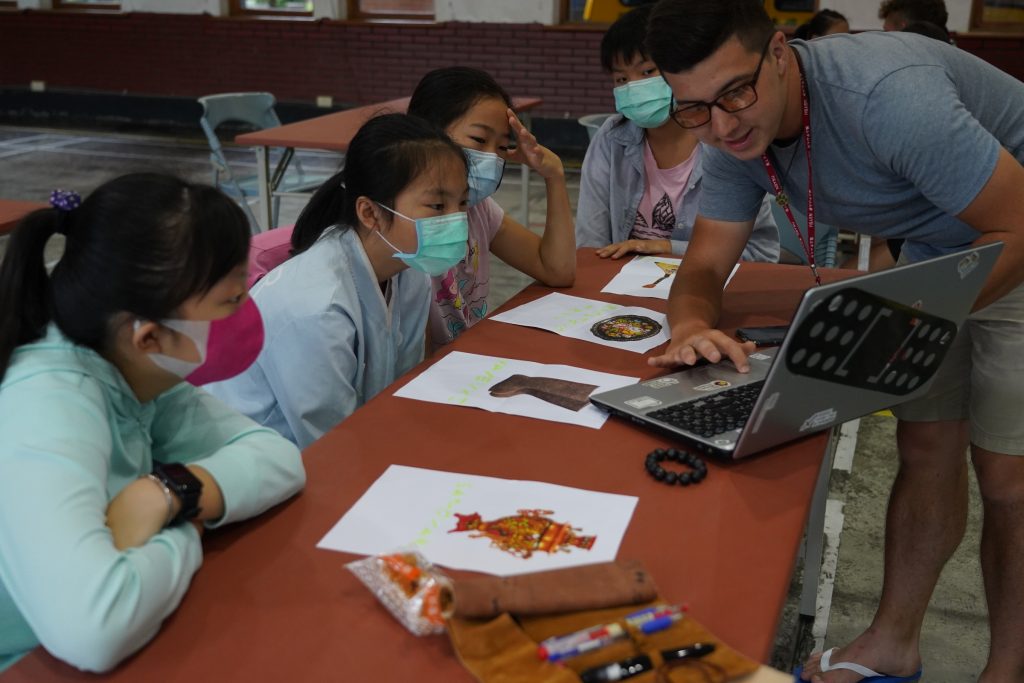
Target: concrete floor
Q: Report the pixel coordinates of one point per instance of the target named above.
(34, 161)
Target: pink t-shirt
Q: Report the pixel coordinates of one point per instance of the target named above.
(656, 215)
(459, 297)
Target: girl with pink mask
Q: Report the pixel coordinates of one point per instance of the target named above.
(111, 466)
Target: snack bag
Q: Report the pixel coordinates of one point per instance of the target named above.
(412, 589)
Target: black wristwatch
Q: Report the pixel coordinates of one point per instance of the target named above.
(182, 483)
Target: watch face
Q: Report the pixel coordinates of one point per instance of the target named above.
(180, 476)
(185, 485)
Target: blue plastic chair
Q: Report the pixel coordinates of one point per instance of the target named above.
(826, 237)
(255, 109)
(592, 122)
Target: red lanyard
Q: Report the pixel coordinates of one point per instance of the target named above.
(780, 197)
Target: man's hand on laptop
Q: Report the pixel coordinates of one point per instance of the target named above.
(705, 342)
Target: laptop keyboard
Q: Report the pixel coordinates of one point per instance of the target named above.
(716, 414)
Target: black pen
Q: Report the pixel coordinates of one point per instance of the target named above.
(618, 671)
(687, 652)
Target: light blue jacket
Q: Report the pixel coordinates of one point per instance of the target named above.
(72, 435)
(613, 183)
(332, 343)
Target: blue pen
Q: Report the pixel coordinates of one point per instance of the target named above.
(638, 619)
(660, 624)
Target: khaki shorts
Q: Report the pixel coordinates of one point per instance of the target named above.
(982, 379)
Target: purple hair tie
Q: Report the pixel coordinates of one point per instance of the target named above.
(65, 200)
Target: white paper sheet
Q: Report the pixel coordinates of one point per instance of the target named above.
(630, 328)
(649, 276)
(467, 379)
(591, 524)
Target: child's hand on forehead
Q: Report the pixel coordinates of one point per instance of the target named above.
(530, 152)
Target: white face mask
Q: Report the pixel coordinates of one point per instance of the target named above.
(196, 330)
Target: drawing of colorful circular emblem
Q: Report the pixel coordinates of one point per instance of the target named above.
(623, 328)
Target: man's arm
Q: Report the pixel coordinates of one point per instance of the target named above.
(695, 299)
(998, 213)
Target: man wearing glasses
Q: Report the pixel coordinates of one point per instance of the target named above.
(895, 135)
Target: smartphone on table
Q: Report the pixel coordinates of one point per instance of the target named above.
(771, 335)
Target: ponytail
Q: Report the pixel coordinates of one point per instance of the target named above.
(140, 244)
(328, 206)
(26, 298)
(386, 154)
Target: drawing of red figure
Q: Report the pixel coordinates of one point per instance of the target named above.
(527, 532)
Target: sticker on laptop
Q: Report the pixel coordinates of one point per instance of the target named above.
(660, 382)
(625, 328)
(760, 356)
(822, 418)
(967, 264)
(714, 385)
(643, 402)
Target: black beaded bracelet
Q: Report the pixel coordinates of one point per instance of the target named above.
(654, 468)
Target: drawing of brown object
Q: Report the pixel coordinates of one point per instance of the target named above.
(561, 392)
(668, 268)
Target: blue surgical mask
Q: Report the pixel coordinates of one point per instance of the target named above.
(646, 103)
(485, 171)
(440, 242)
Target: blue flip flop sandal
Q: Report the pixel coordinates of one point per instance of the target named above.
(869, 675)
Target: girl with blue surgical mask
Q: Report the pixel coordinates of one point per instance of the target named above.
(346, 315)
(641, 177)
(477, 114)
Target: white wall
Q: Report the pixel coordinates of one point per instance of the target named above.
(330, 9)
(214, 7)
(498, 11)
(863, 14)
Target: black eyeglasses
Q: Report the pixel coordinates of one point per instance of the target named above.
(696, 114)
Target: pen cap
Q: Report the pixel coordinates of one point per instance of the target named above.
(619, 671)
(691, 651)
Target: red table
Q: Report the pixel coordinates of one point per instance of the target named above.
(268, 606)
(12, 211)
(334, 132)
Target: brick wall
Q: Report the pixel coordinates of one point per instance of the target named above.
(1005, 52)
(356, 63)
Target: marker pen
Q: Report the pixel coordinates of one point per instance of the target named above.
(687, 652)
(552, 647)
(612, 633)
(637, 619)
(618, 671)
(660, 623)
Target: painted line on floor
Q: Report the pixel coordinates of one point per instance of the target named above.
(847, 445)
(16, 150)
(28, 139)
(834, 519)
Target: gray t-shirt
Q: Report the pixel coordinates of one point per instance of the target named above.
(906, 131)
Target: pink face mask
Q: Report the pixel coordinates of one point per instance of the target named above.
(232, 345)
(227, 347)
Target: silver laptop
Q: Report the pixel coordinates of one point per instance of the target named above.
(855, 346)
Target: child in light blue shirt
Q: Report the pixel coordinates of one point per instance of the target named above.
(111, 466)
(347, 314)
